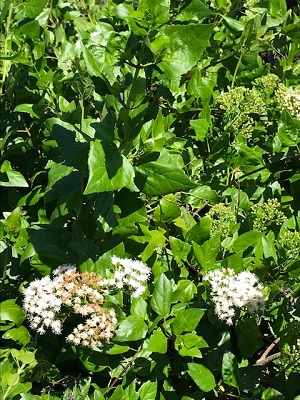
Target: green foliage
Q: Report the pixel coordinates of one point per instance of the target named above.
(166, 131)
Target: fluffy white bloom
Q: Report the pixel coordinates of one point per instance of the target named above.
(42, 304)
(230, 291)
(132, 274)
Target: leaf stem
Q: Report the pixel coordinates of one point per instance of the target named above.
(236, 70)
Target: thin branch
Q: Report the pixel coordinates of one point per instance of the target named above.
(265, 359)
(124, 369)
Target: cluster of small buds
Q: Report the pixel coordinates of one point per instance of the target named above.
(251, 3)
(242, 100)
(267, 84)
(223, 219)
(239, 104)
(267, 213)
(288, 99)
(42, 304)
(290, 242)
(132, 274)
(295, 352)
(96, 330)
(230, 291)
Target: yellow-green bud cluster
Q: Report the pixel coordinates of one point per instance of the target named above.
(290, 241)
(267, 213)
(267, 83)
(251, 3)
(288, 99)
(223, 220)
(239, 103)
(242, 99)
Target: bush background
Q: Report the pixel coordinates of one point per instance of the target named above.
(117, 140)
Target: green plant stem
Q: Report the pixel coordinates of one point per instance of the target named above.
(5, 67)
(236, 70)
(261, 169)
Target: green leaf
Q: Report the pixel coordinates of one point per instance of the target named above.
(187, 320)
(162, 176)
(182, 47)
(202, 376)
(11, 178)
(162, 296)
(108, 169)
(72, 144)
(200, 127)
(277, 8)
(34, 7)
(200, 232)
(234, 24)
(194, 10)
(132, 328)
(248, 337)
(19, 335)
(148, 390)
(34, 110)
(155, 239)
(230, 371)
(185, 291)
(9, 311)
(157, 342)
(180, 249)
(13, 380)
(156, 12)
(206, 254)
(13, 221)
(272, 394)
(167, 210)
(26, 357)
(246, 240)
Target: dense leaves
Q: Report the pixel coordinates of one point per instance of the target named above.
(165, 131)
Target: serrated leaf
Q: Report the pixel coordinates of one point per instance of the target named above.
(247, 239)
(72, 144)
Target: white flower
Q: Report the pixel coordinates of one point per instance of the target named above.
(230, 291)
(131, 273)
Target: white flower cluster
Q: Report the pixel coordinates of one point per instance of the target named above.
(41, 305)
(97, 329)
(230, 291)
(130, 273)
(47, 302)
